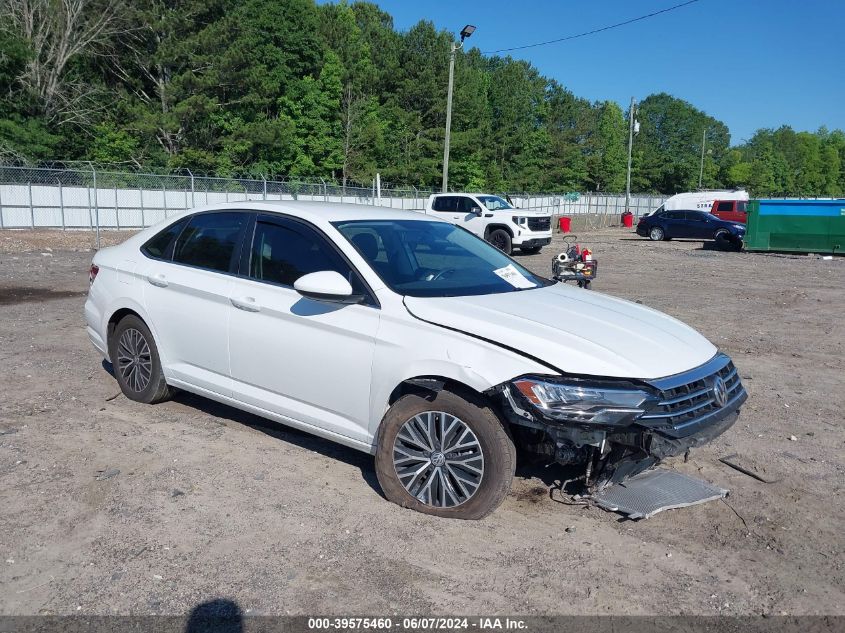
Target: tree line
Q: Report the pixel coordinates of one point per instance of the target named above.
(294, 89)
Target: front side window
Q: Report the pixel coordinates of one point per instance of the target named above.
(419, 258)
(494, 203)
(282, 252)
(466, 205)
(210, 240)
(725, 206)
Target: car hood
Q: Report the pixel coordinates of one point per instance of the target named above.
(573, 330)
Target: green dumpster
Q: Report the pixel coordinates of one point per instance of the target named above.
(806, 226)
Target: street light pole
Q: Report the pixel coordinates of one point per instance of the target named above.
(630, 146)
(465, 33)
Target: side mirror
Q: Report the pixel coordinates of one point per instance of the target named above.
(326, 285)
(476, 210)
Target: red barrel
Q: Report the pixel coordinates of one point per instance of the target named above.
(565, 224)
(627, 219)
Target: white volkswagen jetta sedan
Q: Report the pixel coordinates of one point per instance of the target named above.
(408, 337)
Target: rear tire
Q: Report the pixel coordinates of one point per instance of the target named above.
(136, 363)
(501, 239)
(468, 473)
(656, 234)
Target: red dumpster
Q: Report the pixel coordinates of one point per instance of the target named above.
(627, 219)
(565, 224)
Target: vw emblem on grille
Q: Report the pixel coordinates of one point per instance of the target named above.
(720, 391)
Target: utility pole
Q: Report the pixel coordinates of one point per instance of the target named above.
(701, 171)
(631, 113)
(465, 33)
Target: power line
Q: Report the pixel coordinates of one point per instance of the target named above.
(593, 32)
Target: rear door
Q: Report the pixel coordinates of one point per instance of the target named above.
(186, 294)
(446, 208)
(307, 360)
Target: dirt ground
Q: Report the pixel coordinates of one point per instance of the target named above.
(213, 503)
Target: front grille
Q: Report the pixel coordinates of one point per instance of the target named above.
(687, 398)
(540, 224)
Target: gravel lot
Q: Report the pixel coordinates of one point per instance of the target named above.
(213, 503)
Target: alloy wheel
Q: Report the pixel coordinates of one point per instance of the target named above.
(438, 459)
(134, 360)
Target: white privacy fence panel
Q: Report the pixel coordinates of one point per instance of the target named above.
(89, 199)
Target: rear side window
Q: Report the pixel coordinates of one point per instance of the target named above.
(726, 206)
(284, 252)
(158, 247)
(445, 203)
(674, 215)
(210, 240)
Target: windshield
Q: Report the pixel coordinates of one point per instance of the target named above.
(419, 258)
(494, 203)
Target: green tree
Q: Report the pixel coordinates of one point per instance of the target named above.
(607, 159)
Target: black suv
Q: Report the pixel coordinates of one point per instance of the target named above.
(700, 225)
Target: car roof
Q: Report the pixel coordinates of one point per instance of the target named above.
(315, 211)
(466, 193)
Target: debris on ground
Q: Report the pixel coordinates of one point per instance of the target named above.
(747, 467)
(644, 495)
(106, 474)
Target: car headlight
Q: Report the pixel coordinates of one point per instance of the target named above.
(741, 227)
(583, 403)
(521, 221)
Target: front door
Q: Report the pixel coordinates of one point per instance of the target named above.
(301, 358)
(701, 225)
(186, 295)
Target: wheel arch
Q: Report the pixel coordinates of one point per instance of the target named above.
(430, 384)
(492, 227)
(126, 308)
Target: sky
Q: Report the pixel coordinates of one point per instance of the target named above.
(749, 63)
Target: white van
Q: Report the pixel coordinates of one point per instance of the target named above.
(701, 200)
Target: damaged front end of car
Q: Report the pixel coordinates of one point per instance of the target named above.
(618, 428)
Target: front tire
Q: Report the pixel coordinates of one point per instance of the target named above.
(444, 455)
(136, 363)
(501, 239)
(656, 234)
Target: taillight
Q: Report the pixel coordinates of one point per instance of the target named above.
(92, 273)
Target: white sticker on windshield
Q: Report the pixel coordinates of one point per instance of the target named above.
(514, 277)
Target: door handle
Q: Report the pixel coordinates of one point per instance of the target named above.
(158, 280)
(247, 304)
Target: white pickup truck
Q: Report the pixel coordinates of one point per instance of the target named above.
(494, 219)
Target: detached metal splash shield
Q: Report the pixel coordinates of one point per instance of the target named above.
(644, 495)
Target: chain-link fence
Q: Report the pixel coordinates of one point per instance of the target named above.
(92, 198)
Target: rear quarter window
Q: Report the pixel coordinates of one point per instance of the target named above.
(158, 247)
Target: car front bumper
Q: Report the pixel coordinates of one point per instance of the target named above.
(693, 408)
(534, 242)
